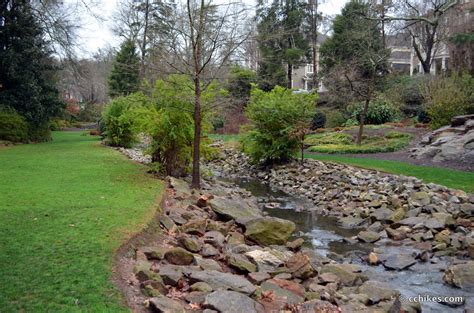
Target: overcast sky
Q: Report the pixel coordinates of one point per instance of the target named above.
(96, 33)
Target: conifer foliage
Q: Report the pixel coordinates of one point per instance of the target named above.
(27, 72)
(124, 78)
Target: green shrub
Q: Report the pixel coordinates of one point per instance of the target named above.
(278, 120)
(13, 126)
(170, 124)
(319, 120)
(407, 91)
(446, 97)
(334, 118)
(118, 117)
(57, 124)
(381, 110)
(218, 123)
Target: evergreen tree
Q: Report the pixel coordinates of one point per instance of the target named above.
(27, 74)
(124, 78)
(281, 42)
(355, 59)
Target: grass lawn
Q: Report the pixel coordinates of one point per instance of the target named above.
(65, 207)
(447, 177)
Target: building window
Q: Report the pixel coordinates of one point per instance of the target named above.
(309, 68)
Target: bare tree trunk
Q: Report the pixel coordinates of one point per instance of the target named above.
(313, 6)
(144, 42)
(196, 182)
(362, 120)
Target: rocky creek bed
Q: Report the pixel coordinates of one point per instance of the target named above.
(344, 239)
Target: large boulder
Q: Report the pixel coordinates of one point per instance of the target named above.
(166, 305)
(238, 210)
(223, 281)
(231, 302)
(460, 275)
(179, 256)
(399, 262)
(269, 230)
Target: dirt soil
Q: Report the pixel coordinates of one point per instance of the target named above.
(404, 155)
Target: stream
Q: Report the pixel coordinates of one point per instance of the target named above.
(323, 234)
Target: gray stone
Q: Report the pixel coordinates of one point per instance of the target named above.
(208, 250)
(223, 281)
(460, 275)
(208, 264)
(232, 302)
(346, 273)
(241, 262)
(399, 261)
(214, 238)
(368, 236)
(234, 208)
(350, 222)
(189, 243)
(179, 256)
(170, 274)
(378, 291)
(286, 295)
(164, 304)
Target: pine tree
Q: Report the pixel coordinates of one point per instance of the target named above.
(27, 72)
(124, 78)
(281, 42)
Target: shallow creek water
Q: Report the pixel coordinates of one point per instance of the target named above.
(327, 238)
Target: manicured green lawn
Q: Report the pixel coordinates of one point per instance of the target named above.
(450, 178)
(65, 207)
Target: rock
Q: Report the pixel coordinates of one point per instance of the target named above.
(143, 272)
(232, 302)
(412, 221)
(235, 209)
(376, 227)
(319, 306)
(420, 198)
(265, 260)
(163, 304)
(382, 214)
(295, 244)
(326, 278)
(235, 239)
(444, 218)
(433, 223)
(223, 281)
(154, 253)
(153, 288)
(467, 208)
(214, 238)
(398, 215)
(378, 291)
(195, 227)
(269, 230)
(350, 222)
(190, 244)
(368, 236)
(197, 297)
(201, 286)
(203, 201)
(282, 294)
(167, 222)
(208, 264)
(460, 275)
(373, 258)
(394, 234)
(208, 251)
(299, 265)
(179, 256)
(257, 277)
(170, 274)
(345, 273)
(241, 262)
(443, 236)
(399, 262)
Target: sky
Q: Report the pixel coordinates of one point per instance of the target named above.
(95, 32)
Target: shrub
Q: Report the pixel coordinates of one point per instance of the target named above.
(319, 120)
(278, 120)
(119, 119)
(57, 124)
(446, 97)
(334, 118)
(13, 126)
(381, 110)
(407, 91)
(170, 124)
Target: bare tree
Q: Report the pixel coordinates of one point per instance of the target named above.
(202, 39)
(426, 24)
